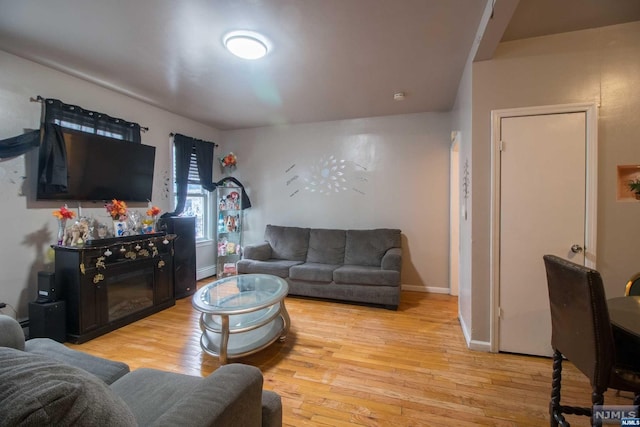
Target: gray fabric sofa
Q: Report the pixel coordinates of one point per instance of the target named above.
(45, 383)
(348, 265)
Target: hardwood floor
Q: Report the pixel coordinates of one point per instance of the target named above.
(349, 365)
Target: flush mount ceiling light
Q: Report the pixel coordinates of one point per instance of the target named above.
(246, 44)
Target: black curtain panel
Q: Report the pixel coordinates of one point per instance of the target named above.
(183, 152)
(17, 145)
(74, 117)
(204, 160)
(52, 164)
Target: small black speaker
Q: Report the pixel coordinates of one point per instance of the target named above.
(46, 287)
(48, 320)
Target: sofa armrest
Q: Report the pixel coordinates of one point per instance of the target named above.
(392, 259)
(271, 409)
(257, 251)
(107, 370)
(230, 396)
(11, 333)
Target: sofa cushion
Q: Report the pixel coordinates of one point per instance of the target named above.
(366, 275)
(105, 369)
(37, 390)
(367, 247)
(313, 272)
(326, 246)
(276, 267)
(290, 243)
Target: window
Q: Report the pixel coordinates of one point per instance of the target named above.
(198, 202)
(87, 129)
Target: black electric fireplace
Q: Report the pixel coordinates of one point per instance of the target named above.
(114, 282)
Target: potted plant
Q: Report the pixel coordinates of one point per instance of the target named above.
(634, 186)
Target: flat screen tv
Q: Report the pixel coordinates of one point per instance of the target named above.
(101, 168)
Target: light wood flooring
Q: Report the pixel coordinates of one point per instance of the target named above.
(350, 365)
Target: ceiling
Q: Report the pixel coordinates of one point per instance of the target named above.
(331, 59)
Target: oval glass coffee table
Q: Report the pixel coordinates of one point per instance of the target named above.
(241, 315)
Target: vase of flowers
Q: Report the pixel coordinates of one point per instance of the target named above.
(149, 223)
(62, 214)
(117, 209)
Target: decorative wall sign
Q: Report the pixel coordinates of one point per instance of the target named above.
(466, 187)
(326, 176)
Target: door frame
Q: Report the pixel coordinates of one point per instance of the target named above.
(591, 208)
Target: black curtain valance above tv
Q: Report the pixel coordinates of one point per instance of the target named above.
(80, 119)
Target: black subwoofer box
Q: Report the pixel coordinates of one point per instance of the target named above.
(48, 320)
(184, 252)
(46, 287)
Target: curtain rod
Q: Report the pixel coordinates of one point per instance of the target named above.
(41, 100)
(210, 142)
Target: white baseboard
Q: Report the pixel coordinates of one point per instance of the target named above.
(430, 289)
(203, 273)
(473, 344)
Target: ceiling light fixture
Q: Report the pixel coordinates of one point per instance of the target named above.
(246, 44)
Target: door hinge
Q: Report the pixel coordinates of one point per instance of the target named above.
(501, 145)
(499, 312)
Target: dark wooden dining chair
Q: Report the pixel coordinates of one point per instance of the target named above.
(581, 333)
(633, 286)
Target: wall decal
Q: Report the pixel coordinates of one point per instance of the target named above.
(327, 175)
(166, 189)
(12, 174)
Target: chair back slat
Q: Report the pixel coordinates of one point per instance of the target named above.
(633, 286)
(580, 326)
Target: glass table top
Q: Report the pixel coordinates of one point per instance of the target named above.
(237, 294)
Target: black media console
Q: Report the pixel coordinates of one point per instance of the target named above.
(109, 283)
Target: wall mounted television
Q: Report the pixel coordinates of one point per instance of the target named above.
(101, 168)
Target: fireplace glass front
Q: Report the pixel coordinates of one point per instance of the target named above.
(129, 292)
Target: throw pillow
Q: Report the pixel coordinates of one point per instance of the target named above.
(37, 390)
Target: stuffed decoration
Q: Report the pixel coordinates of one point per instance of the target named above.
(230, 222)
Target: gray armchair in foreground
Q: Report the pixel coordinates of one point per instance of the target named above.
(58, 386)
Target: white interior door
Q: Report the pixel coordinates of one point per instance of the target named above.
(543, 183)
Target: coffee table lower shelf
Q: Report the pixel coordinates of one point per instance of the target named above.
(243, 343)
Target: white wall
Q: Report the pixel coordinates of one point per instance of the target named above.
(28, 227)
(395, 171)
(600, 65)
